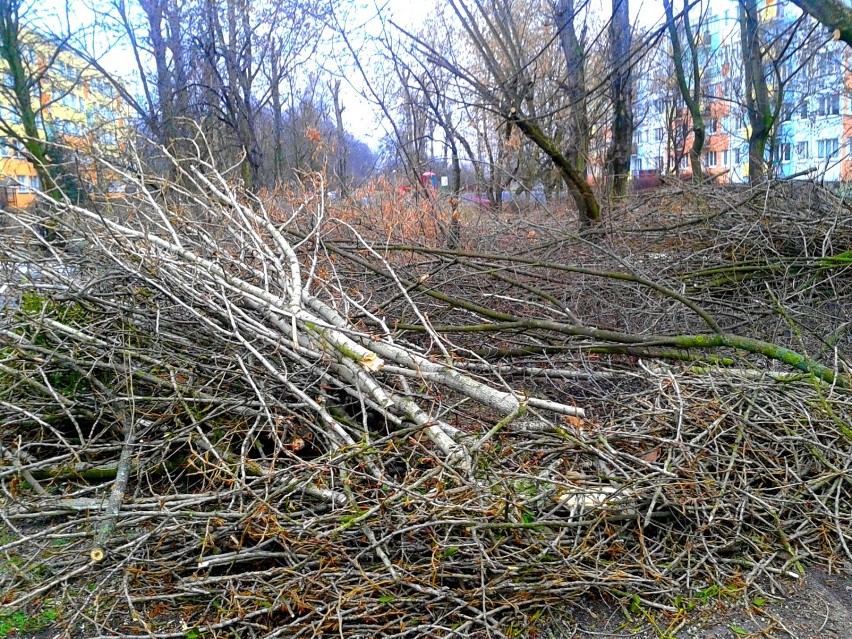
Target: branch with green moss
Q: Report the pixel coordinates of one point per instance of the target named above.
(614, 341)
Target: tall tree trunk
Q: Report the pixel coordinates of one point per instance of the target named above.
(277, 117)
(165, 86)
(454, 235)
(692, 97)
(12, 55)
(574, 169)
(758, 104)
(621, 145)
(180, 80)
(341, 168)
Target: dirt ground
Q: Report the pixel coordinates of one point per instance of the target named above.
(816, 607)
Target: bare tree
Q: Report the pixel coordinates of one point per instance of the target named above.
(507, 53)
(579, 130)
(757, 98)
(21, 91)
(230, 44)
(768, 48)
(341, 168)
(435, 89)
(165, 22)
(622, 92)
(221, 63)
(690, 89)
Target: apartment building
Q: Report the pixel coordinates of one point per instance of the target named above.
(810, 80)
(79, 110)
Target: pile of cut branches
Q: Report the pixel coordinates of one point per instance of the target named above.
(212, 427)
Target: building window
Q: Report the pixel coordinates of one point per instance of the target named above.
(710, 159)
(684, 162)
(802, 150)
(785, 151)
(35, 181)
(658, 134)
(726, 157)
(786, 112)
(827, 147)
(712, 126)
(828, 65)
(828, 105)
(803, 109)
(24, 182)
(742, 154)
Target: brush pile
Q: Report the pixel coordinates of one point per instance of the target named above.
(212, 427)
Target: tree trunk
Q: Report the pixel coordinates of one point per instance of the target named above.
(165, 87)
(692, 97)
(572, 164)
(341, 169)
(11, 54)
(454, 234)
(277, 118)
(758, 105)
(581, 192)
(618, 155)
(180, 81)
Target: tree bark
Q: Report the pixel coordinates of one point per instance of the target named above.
(572, 165)
(622, 98)
(758, 105)
(341, 167)
(692, 98)
(581, 192)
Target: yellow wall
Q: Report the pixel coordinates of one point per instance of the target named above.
(78, 107)
(17, 168)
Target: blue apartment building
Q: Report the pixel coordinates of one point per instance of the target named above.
(809, 80)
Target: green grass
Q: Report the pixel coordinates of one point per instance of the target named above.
(13, 623)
